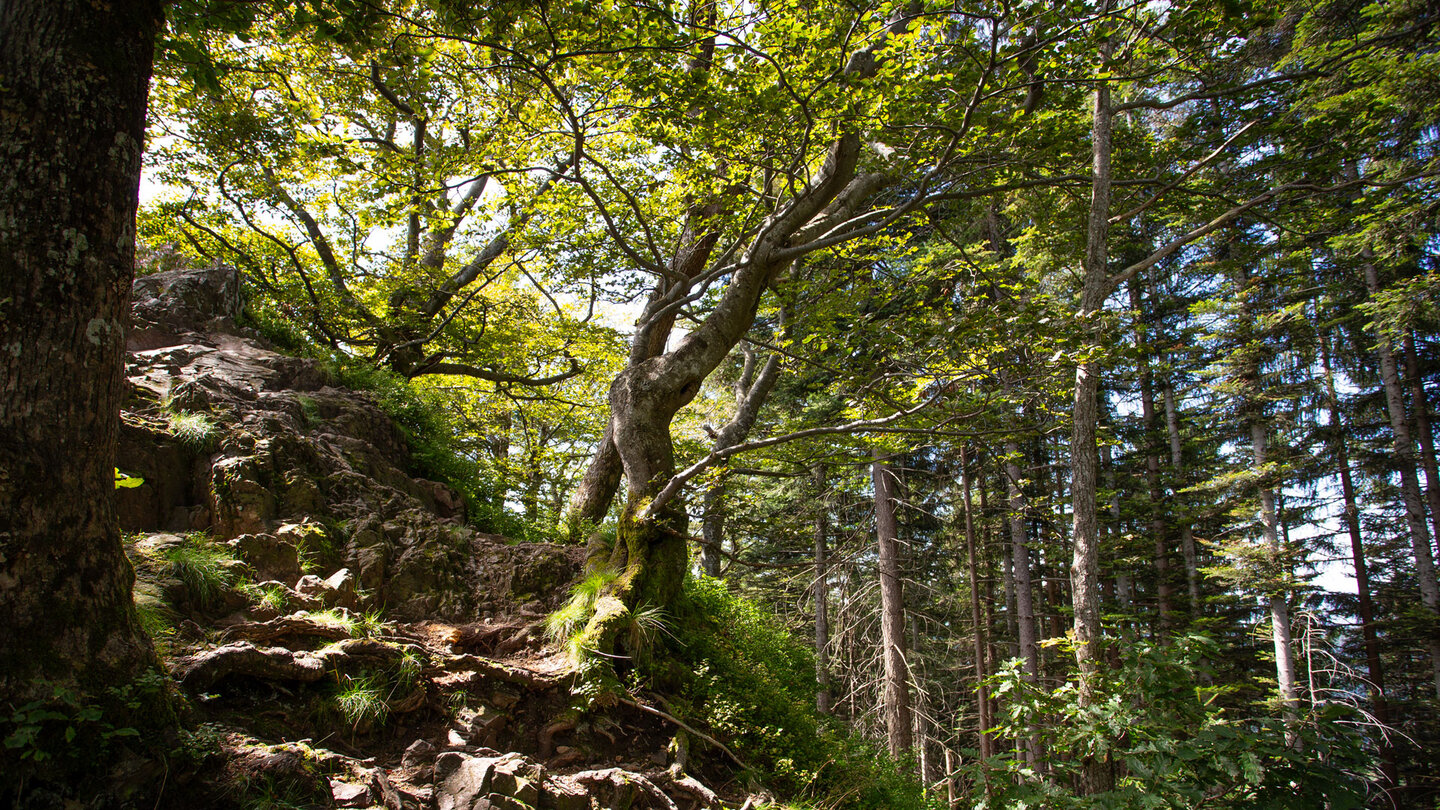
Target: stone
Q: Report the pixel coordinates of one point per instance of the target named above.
(418, 754)
(340, 589)
(268, 555)
(486, 726)
(349, 794)
(506, 781)
(462, 782)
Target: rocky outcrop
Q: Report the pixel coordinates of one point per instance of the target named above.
(373, 618)
(299, 476)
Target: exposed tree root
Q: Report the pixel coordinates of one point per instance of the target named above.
(207, 668)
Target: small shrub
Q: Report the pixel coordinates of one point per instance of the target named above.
(741, 674)
(270, 597)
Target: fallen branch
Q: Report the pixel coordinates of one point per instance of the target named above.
(682, 724)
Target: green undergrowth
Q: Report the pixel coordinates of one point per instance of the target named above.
(740, 674)
(421, 415)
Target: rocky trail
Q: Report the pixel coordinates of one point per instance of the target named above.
(344, 637)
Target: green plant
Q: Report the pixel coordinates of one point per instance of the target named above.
(194, 430)
(338, 617)
(738, 673)
(368, 624)
(66, 723)
(206, 567)
(127, 481)
(361, 701)
(309, 409)
(272, 598)
(565, 625)
(1171, 740)
(155, 616)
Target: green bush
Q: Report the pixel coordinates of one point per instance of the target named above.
(1171, 741)
(748, 680)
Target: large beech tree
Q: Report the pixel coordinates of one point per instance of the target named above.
(72, 123)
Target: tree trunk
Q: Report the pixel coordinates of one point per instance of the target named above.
(892, 612)
(822, 595)
(1409, 482)
(72, 122)
(1187, 536)
(1020, 563)
(1389, 768)
(1420, 407)
(1096, 776)
(751, 391)
(982, 666)
(1024, 612)
(1279, 601)
(1158, 530)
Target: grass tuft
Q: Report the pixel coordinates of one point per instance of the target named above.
(361, 701)
(206, 567)
(194, 430)
(565, 625)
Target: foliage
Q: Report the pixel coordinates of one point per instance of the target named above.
(194, 430)
(751, 683)
(156, 617)
(127, 481)
(64, 723)
(564, 625)
(361, 701)
(206, 567)
(1172, 740)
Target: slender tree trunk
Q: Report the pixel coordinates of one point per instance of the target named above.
(1409, 482)
(1020, 562)
(1124, 590)
(982, 666)
(1187, 536)
(1096, 776)
(892, 612)
(822, 594)
(751, 391)
(1279, 602)
(1420, 407)
(72, 122)
(1389, 768)
(1158, 530)
(1024, 611)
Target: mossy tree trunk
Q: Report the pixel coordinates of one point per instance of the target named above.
(72, 118)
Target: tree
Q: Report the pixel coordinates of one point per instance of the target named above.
(72, 115)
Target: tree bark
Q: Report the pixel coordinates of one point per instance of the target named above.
(822, 595)
(982, 666)
(1389, 768)
(72, 123)
(892, 612)
(751, 391)
(1096, 776)
(1187, 536)
(1158, 530)
(1024, 613)
(1420, 408)
(1278, 600)
(1404, 448)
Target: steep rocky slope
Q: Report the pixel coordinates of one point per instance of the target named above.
(344, 636)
